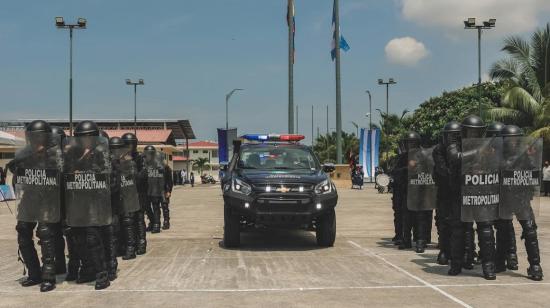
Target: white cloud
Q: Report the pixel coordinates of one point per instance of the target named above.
(513, 16)
(405, 50)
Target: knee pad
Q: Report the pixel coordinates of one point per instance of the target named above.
(92, 238)
(529, 229)
(44, 231)
(127, 220)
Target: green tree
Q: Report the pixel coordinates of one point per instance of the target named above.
(430, 117)
(526, 74)
(325, 146)
(200, 163)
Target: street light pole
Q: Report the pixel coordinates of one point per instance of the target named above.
(390, 81)
(370, 109)
(227, 97)
(60, 24)
(470, 23)
(140, 82)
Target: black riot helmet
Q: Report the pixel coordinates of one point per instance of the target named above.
(38, 126)
(149, 148)
(411, 140)
(104, 134)
(511, 131)
(131, 140)
(86, 128)
(451, 133)
(116, 143)
(473, 127)
(56, 130)
(494, 129)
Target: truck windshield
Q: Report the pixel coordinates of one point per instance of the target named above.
(277, 157)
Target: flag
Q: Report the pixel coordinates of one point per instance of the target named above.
(291, 22)
(369, 150)
(342, 41)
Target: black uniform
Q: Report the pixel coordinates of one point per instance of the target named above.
(36, 170)
(88, 200)
(443, 212)
(168, 186)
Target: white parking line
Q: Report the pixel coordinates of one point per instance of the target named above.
(424, 282)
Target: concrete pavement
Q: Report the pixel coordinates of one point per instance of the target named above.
(187, 266)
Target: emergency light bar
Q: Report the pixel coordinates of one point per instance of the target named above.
(273, 137)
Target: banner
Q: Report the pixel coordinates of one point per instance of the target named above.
(6, 193)
(369, 150)
(225, 143)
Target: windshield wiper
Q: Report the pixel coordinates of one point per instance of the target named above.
(247, 167)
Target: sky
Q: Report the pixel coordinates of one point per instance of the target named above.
(191, 53)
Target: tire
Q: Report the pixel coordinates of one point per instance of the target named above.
(326, 229)
(231, 228)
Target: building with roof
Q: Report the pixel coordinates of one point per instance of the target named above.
(194, 150)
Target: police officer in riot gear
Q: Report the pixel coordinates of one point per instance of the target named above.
(141, 179)
(36, 169)
(88, 206)
(410, 219)
(506, 256)
(462, 239)
(516, 201)
(450, 136)
(169, 184)
(154, 163)
(124, 194)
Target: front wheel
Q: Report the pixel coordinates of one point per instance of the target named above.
(326, 229)
(231, 228)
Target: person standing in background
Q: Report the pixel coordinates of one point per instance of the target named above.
(192, 179)
(2, 176)
(546, 178)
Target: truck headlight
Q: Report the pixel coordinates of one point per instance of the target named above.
(239, 186)
(324, 187)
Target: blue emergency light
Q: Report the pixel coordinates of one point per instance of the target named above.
(273, 137)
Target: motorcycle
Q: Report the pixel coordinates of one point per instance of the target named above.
(207, 179)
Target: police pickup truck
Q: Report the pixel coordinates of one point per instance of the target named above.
(273, 181)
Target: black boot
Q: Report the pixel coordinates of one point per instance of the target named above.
(166, 216)
(102, 281)
(110, 247)
(420, 246)
(28, 253)
(141, 242)
(456, 268)
(156, 217)
(511, 248)
(60, 261)
(74, 260)
(46, 233)
(534, 272)
(405, 245)
(486, 241)
(442, 258)
(512, 261)
(469, 247)
(128, 228)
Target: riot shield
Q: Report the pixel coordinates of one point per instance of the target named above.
(87, 181)
(480, 186)
(521, 177)
(128, 189)
(421, 188)
(37, 176)
(154, 164)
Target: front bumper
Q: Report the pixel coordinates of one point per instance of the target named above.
(280, 208)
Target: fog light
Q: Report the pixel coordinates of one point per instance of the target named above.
(301, 189)
(267, 188)
(247, 205)
(318, 206)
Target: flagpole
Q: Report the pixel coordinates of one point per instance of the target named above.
(290, 19)
(338, 89)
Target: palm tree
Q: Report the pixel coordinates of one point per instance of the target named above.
(325, 146)
(526, 72)
(200, 163)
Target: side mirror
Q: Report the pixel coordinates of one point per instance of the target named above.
(328, 167)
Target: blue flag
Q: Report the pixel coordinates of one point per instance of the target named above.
(342, 44)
